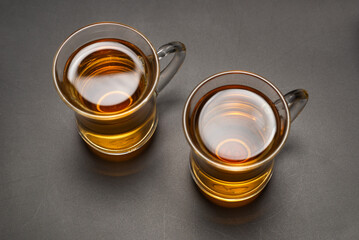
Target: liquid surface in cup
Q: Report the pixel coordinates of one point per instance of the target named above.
(106, 76)
(235, 124)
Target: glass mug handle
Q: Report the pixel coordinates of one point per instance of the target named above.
(170, 70)
(296, 100)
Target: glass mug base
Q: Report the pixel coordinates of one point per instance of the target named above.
(227, 193)
(119, 154)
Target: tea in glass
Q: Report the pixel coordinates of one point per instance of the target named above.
(106, 77)
(238, 125)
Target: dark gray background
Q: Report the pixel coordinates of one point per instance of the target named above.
(50, 185)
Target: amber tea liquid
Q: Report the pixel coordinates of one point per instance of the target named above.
(235, 125)
(108, 77)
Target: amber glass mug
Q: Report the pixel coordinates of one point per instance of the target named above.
(236, 122)
(109, 74)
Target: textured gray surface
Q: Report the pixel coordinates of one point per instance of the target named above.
(49, 188)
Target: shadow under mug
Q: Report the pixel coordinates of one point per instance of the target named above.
(231, 184)
(119, 136)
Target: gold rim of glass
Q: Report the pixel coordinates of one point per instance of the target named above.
(92, 115)
(230, 166)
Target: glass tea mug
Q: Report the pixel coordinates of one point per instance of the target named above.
(231, 184)
(119, 136)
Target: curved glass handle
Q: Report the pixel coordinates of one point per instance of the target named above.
(296, 100)
(170, 70)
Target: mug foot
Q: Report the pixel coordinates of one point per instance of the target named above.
(229, 194)
(121, 155)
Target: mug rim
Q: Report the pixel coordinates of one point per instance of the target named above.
(117, 115)
(230, 166)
